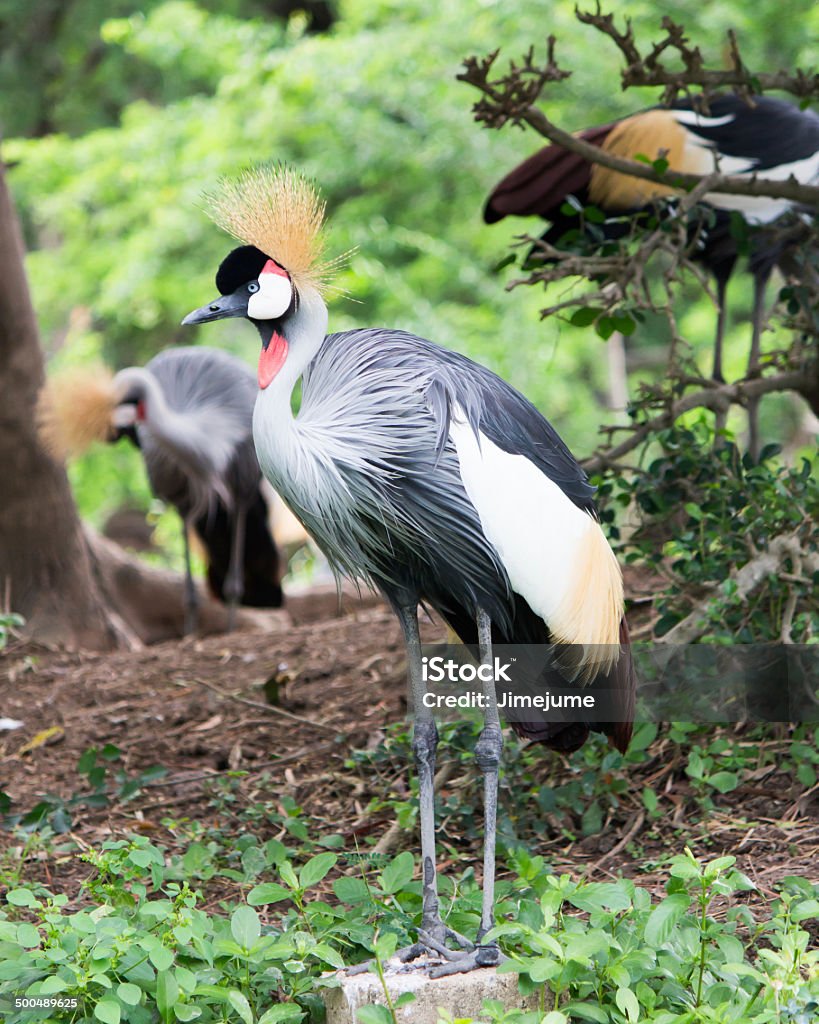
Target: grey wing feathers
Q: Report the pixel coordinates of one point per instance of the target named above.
(507, 418)
(215, 393)
(385, 490)
(194, 377)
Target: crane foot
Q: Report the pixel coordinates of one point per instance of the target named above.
(432, 943)
(481, 956)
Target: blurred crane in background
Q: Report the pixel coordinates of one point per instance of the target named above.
(189, 411)
(768, 138)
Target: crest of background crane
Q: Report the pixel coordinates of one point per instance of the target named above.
(74, 409)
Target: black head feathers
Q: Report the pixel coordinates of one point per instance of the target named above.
(239, 266)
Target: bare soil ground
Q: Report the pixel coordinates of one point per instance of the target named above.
(198, 708)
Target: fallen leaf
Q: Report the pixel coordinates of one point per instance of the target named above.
(43, 738)
(211, 723)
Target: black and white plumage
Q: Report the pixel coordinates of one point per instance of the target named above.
(189, 411)
(768, 138)
(423, 473)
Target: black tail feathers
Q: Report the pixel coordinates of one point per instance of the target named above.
(262, 564)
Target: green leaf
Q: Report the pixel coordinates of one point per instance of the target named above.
(585, 316)
(316, 868)
(328, 955)
(240, 1005)
(108, 1011)
(587, 1011)
(627, 1003)
(724, 782)
(605, 327)
(245, 926)
(398, 873)
(541, 969)
(374, 1015)
(186, 1012)
(664, 917)
(167, 993)
(283, 1011)
(599, 896)
(28, 935)
(160, 957)
(268, 892)
(650, 800)
(805, 909)
(582, 946)
(53, 983)
(22, 898)
(351, 890)
(404, 1000)
(718, 865)
(129, 993)
(288, 875)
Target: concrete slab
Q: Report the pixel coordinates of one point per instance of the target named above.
(461, 995)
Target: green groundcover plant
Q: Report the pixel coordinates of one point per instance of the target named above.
(145, 950)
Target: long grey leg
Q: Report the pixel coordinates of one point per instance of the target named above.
(424, 745)
(191, 595)
(487, 754)
(234, 580)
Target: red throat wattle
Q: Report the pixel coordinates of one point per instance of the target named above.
(272, 359)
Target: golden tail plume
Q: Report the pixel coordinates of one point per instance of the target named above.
(74, 410)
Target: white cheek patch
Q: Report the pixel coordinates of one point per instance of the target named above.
(124, 416)
(273, 298)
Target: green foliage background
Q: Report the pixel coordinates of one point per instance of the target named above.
(117, 117)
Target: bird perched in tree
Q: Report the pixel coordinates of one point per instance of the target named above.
(189, 410)
(767, 138)
(421, 472)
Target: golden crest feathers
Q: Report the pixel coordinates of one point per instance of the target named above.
(74, 410)
(280, 212)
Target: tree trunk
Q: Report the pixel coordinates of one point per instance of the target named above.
(45, 569)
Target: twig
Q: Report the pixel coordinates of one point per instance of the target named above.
(295, 755)
(648, 70)
(746, 579)
(271, 709)
(633, 829)
(716, 398)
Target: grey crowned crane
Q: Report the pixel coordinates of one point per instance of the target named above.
(189, 411)
(420, 471)
(768, 138)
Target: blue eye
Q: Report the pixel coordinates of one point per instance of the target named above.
(253, 286)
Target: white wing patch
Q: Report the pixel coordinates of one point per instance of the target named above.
(555, 554)
(697, 120)
(755, 209)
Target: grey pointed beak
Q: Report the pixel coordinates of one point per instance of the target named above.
(220, 309)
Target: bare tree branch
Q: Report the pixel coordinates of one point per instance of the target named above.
(716, 397)
(648, 70)
(747, 579)
(506, 103)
